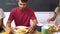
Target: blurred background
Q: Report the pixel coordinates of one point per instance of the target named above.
(37, 5)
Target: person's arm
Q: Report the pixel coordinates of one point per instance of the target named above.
(34, 19)
(32, 27)
(34, 23)
(54, 17)
(8, 24)
(55, 14)
(1, 17)
(9, 30)
(10, 19)
(1, 23)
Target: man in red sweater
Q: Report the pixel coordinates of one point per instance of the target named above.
(22, 15)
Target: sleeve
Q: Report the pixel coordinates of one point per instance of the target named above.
(56, 9)
(33, 15)
(11, 16)
(2, 15)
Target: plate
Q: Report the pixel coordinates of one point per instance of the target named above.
(52, 27)
(21, 29)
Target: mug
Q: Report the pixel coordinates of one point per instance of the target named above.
(38, 27)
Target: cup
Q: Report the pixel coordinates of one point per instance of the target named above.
(44, 30)
(38, 27)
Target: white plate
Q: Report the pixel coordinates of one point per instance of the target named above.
(21, 27)
(54, 25)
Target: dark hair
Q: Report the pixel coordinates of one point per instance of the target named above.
(23, 0)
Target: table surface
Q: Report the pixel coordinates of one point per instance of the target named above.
(57, 32)
(36, 32)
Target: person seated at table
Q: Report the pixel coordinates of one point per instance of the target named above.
(22, 15)
(1, 19)
(56, 16)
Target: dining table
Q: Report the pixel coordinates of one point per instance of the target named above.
(37, 32)
(50, 32)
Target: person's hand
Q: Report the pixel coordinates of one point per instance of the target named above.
(30, 29)
(9, 30)
(48, 20)
(58, 24)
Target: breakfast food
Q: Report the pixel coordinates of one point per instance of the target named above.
(4, 33)
(20, 30)
(52, 27)
(19, 33)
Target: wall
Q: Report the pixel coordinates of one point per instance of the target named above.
(37, 5)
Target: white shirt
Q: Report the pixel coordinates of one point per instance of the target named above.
(58, 16)
(1, 13)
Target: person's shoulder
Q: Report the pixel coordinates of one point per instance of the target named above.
(1, 10)
(14, 8)
(56, 8)
(29, 8)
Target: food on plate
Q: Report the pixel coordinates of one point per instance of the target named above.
(52, 27)
(20, 30)
(19, 33)
(4, 33)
